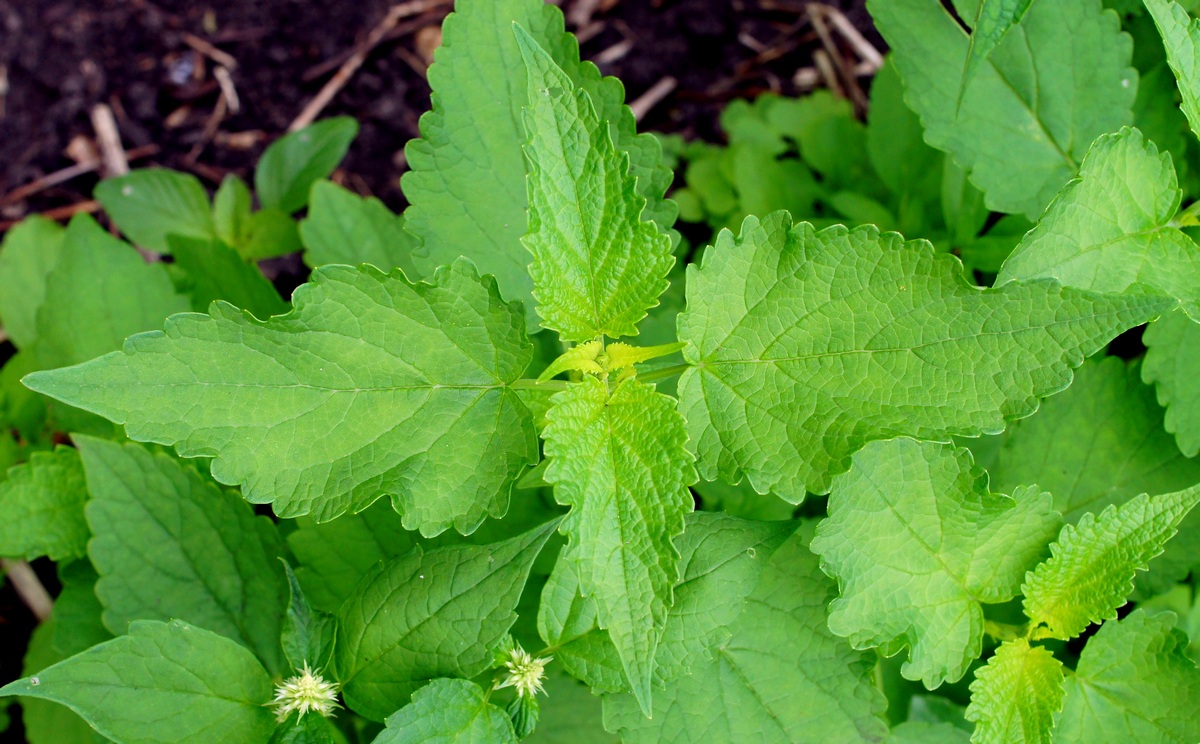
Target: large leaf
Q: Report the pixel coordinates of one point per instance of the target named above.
(918, 545)
(1172, 358)
(448, 711)
(371, 385)
(1181, 39)
(28, 254)
(1025, 118)
(151, 205)
(163, 683)
(42, 506)
(807, 345)
(293, 163)
(619, 461)
(1015, 696)
(345, 228)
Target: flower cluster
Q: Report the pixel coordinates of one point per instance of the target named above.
(304, 693)
(525, 672)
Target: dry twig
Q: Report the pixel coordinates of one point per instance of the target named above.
(652, 97)
(28, 587)
(112, 154)
(225, 59)
(66, 174)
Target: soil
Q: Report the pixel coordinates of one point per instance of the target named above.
(58, 58)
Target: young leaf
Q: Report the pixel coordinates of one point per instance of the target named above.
(42, 503)
(1172, 356)
(423, 616)
(1181, 39)
(918, 544)
(1025, 118)
(1109, 229)
(619, 461)
(150, 205)
(164, 683)
(371, 385)
(1015, 696)
(597, 268)
(307, 634)
(217, 272)
(808, 345)
(28, 254)
(345, 228)
(1092, 564)
(294, 162)
(1134, 682)
(231, 210)
(448, 711)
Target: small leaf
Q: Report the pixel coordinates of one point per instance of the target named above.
(308, 635)
(231, 210)
(307, 729)
(1015, 696)
(150, 205)
(448, 711)
(269, 233)
(28, 254)
(217, 272)
(1181, 39)
(42, 503)
(294, 162)
(344, 228)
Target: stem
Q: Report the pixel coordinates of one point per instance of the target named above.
(1005, 631)
(662, 374)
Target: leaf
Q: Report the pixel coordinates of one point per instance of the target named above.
(164, 682)
(1030, 111)
(780, 677)
(1181, 39)
(918, 545)
(1172, 356)
(1015, 696)
(911, 169)
(308, 634)
(47, 722)
(994, 20)
(807, 345)
(345, 228)
(1134, 682)
(231, 210)
(423, 616)
(1092, 564)
(293, 163)
(466, 185)
(567, 622)
(597, 268)
(150, 205)
(217, 272)
(743, 501)
(1109, 229)
(371, 385)
(77, 610)
(269, 233)
(99, 292)
(307, 730)
(912, 732)
(448, 711)
(169, 544)
(28, 254)
(42, 503)
(619, 461)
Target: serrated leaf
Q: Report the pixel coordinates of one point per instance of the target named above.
(567, 622)
(164, 683)
(293, 163)
(918, 545)
(1109, 230)
(345, 228)
(619, 461)
(423, 616)
(1172, 357)
(1024, 120)
(1015, 696)
(150, 205)
(1181, 39)
(216, 272)
(308, 634)
(807, 345)
(1092, 564)
(370, 386)
(42, 503)
(47, 722)
(448, 711)
(1134, 682)
(780, 677)
(994, 19)
(170, 544)
(597, 267)
(28, 254)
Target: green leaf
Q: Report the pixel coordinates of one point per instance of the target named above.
(1015, 696)
(48, 722)
(308, 634)
(1030, 111)
(371, 385)
(911, 169)
(808, 345)
(423, 616)
(448, 711)
(77, 610)
(217, 272)
(169, 544)
(42, 503)
(1172, 357)
(1181, 39)
(99, 292)
(993, 21)
(231, 210)
(150, 205)
(918, 545)
(467, 179)
(1092, 564)
(567, 621)
(915, 732)
(743, 501)
(269, 233)
(619, 461)
(345, 228)
(164, 682)
(294, 162)
(28, 254)
(1134, 682)
(1109, 229)
(570, 713)
(781, 676)
(307, 729)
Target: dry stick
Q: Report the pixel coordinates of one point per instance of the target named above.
(29, 588)
(866, 51)
(228, 91)
(208, 50)
(581, 12)
(850, 88)
(3, 88)
(210, 128)
(351, 65)
(614, 52)
(398, 31)
(651, 98)
(109, 139)
(828, 73)
(66, 174)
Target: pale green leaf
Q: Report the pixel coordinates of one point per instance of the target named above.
(370, 386)
(918, 545)
(308, 634)
(42, 506)
(345, 228)
(168, 543)
(914, 732)
(294, 162)
(231, 210)
(1172, 358)
(216, 272)
(424, 616)
(1024, 120)
(47, 722)
(1015, 696)
(28, 254)
(150, 205)
(1134, 683)
(448, 711)
(164, 683)
(1092, 564)
(807, 345)
(619, 461)
(994, 19)
(1181, 39)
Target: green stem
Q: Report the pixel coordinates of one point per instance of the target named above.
(1005, 631)
(664, 373)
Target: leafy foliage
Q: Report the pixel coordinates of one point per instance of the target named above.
(1014, 697)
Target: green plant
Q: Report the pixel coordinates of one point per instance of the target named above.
(878, 527)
